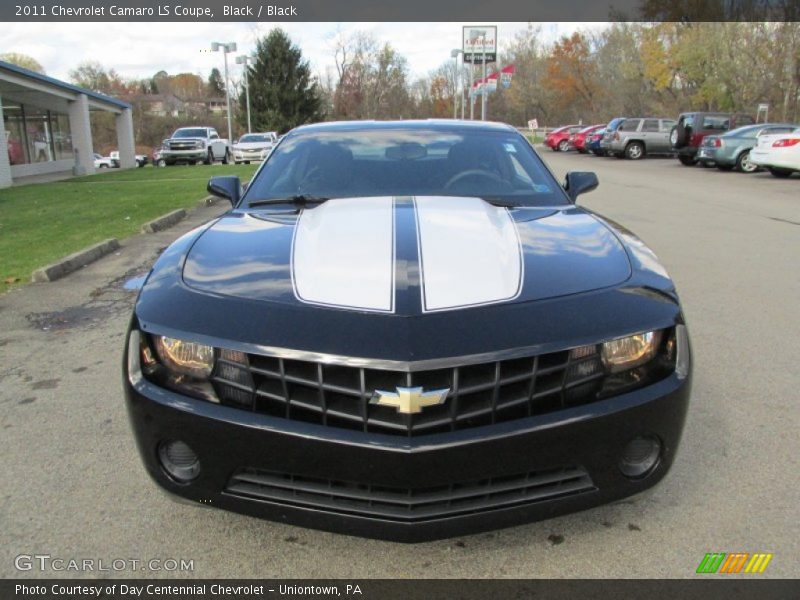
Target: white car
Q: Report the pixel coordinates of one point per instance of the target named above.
(254, 147)
(103, 162)
(780, 153)
(141, 159)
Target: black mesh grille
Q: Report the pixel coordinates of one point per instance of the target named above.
(410, 504)
(340, 396)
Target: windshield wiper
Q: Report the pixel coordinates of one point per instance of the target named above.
(300, 199)
(495, 201)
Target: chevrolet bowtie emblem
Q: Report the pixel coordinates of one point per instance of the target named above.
(410, 400)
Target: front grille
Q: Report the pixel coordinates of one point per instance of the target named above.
(342, 396)
(188, 145)
(410, 504)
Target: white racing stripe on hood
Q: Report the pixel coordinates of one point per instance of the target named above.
(343, 254)
(470, 254)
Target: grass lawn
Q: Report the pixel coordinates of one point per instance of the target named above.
(40, 223)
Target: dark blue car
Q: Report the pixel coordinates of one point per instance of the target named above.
(407, 330)
(593, 142)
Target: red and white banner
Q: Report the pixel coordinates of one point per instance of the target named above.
(506, 73)
(489, 85)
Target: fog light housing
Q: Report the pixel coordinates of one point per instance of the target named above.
(179, 461)
(640, 457)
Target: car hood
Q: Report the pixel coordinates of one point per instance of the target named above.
(252, 145)
(406, 256)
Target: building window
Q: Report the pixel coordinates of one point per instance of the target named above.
(14, 123)
(40, 138)
(62, 136)
(36, 135)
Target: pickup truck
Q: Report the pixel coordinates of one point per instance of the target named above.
(141, 159)
(194, 144)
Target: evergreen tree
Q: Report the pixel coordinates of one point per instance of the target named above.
(216, 87)
(283, 94)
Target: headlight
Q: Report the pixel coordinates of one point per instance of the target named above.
(629, 352)
(185, 358)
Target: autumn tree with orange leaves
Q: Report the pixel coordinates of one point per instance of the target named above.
(572, 73)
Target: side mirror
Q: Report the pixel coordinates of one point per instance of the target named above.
(227, 187)
(580, 182)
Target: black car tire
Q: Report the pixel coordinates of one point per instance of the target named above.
(103, 166)
(161, 162)
(209, 157)
(780, 173)
(743, 164)
(226, 158)
(688, 161)
(635, 151)
(563, 146)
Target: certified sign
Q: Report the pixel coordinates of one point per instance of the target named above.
(476, 40)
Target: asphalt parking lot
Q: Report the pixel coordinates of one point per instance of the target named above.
(73, 486)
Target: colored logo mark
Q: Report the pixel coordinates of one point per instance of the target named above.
(734, 562)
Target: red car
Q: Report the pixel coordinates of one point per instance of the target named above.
(558, 140)
(579, 139)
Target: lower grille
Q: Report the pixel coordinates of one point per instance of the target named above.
(410, 504)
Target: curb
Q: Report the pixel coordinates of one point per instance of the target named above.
(164, 222)
(73, 262)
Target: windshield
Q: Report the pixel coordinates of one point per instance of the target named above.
(406, 162)
(252, 137)
(188, 133)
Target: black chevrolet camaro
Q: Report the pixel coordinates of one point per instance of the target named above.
(407, 330)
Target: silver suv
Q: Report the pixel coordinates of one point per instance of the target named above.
(637, 137)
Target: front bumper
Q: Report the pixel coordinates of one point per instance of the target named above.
(176, 155)
(239, 156)
(589, 438)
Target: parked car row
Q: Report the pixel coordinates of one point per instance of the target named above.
(726, 140)
(193, 145)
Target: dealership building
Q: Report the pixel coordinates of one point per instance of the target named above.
(47, 127)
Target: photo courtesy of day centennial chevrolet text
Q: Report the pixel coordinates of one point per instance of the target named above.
(409, 331)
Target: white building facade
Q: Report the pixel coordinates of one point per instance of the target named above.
(47, 129)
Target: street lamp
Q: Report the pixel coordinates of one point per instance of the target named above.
(454, 54)
(245, 60)
(226, 48)
(483, 91)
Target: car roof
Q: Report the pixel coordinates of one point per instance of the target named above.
(756, 126)
(435, 124)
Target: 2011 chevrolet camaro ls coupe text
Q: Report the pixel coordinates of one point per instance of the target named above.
(407, 331)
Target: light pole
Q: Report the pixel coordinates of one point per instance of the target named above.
(483, 91)
(463, 86)
(472, 88)
(454, 53)
(226, 48)
(245, 60)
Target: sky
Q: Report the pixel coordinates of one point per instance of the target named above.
(137, 50)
